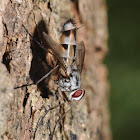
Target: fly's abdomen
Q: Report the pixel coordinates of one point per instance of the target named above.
(68, 42)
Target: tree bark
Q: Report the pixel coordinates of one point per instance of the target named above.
(26, 113)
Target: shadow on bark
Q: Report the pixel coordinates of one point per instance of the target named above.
(39, 65)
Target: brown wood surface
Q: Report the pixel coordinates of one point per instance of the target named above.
(24, 112)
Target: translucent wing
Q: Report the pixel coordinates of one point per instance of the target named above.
(55, 47)
(80, 55)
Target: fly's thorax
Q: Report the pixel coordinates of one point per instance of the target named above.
(70, 83)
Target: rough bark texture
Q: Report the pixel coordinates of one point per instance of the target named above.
(24, 112)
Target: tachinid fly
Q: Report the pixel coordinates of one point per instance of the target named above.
(70, 57)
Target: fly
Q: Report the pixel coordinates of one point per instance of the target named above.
(71, 59)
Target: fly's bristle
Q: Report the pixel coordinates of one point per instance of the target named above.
(69, 25)
(80, 27)
(71, 20)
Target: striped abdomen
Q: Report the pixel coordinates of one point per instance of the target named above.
(68, 42)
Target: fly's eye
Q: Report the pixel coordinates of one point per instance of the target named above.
(77, 93)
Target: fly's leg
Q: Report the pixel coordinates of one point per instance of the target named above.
(40, 80)
(46, 75)
(41, 119)
(62, 95)
(59, 121)
(65, 98)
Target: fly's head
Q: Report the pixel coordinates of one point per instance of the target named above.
(71, 86)
(75, 92)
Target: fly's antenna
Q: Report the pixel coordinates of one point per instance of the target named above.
(40, 80)
(38, 43)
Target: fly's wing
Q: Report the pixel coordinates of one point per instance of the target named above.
(55, 47)
(80, 55)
